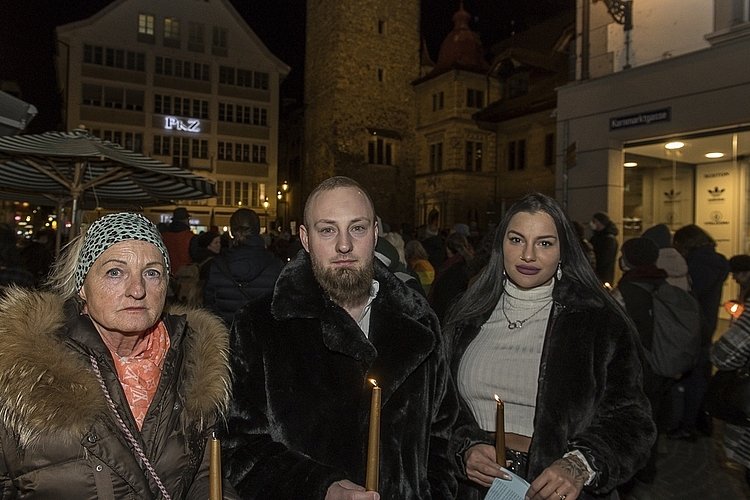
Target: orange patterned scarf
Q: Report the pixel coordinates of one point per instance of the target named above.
(139, 373)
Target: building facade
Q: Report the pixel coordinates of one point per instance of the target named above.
(359, 117)
(186, 82)
(656, 126)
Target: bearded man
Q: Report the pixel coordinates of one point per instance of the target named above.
(303, 355)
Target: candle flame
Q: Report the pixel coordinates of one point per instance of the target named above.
(497, 398)
(373, 381)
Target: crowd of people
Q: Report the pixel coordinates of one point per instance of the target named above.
(115, 358)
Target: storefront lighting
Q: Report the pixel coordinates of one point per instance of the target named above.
(630, 164)
(674, 145)
(714, 155)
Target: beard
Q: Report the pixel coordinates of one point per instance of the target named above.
(345, 285)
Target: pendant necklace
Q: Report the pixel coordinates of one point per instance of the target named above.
(512, 325)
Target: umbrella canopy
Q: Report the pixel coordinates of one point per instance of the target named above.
(14, 114)
(81, 168)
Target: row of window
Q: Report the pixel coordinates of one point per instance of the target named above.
(181, 106)
(473, 156)
(515, 154)
(129, 140)
(115, 58)
(240, 193)
(112, 97)
(238, 113)
(172, 31)
(474, 99)
(243, 77)
(181, 149)
(241, 152)
(182, 69)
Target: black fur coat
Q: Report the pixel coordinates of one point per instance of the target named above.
(589, 395)
(299, 415)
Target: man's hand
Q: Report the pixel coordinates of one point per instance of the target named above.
(347, 490)
(481, 466)
(563, 480)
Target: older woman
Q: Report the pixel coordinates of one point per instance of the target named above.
(539, 331)
(115, 399)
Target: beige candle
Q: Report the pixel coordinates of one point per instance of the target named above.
(373, 442)
(500, 432)
(214, 472)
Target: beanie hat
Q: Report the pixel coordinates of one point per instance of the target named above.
(739, 263)
(640, 252)
(660, 235)
(602, 217)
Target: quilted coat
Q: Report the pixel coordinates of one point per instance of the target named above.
(61, 440)
(589, 395)
(299, 415)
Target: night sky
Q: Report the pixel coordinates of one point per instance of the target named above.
(27, 37)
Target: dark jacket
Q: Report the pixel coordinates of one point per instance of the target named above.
(451, 280)
(589, 392)
(253, 267)
(708, 270)
(298, 420)
(59, 437)
(605, 249)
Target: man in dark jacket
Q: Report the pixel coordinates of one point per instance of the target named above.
(246, 271)
(303, 358)
(604, 241)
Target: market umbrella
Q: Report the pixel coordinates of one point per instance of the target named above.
(79, 168)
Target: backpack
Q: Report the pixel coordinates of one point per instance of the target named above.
(676, 340)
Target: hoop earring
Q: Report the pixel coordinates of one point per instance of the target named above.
(558, 274)
(505, 279)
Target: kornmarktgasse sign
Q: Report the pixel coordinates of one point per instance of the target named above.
(645, 118)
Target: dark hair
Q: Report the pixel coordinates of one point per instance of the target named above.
(457, 243)
(483, 296)
(688, 238)
(244, 223)
(334, 183)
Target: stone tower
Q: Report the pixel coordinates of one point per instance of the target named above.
(361, 58)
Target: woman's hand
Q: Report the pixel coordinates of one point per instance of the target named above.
(347, 490)
(481, 466)
(563, 480)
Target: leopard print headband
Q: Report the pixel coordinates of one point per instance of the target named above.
(111, 229)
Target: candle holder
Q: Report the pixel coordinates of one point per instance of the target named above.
(500, 432)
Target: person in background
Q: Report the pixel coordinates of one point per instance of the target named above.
(38, 255)
(669, 259)
(177, 239)
(604, 241)
(246, 271)
(207, 246)
(390, 257)
(732, 352)
(739, 266)
(417, 258)
(452, 278)
(432, 241)
(302, 357)
(708, 270)
(586, 246)
(638, 263)
(104, 394)
(539, 331)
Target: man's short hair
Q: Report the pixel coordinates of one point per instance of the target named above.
(335, 183)
(243, 224)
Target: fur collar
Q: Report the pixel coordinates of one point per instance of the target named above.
(46, 383)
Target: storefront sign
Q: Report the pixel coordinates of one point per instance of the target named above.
(183, 125)
(714, 211)
(645, 118)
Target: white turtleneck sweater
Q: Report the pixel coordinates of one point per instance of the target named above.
(505, 362)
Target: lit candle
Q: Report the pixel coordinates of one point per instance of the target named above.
(373, 442)
(500, 432)
(214, 471)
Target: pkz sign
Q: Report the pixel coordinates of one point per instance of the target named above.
(645, 118)
(187, 125)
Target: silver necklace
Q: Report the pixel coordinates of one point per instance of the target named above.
(512, 325)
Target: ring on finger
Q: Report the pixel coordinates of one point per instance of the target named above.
(562, 497)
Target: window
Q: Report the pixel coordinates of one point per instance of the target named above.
(199, 148)
(134, 141)
(171, 29)
(180, 149)
(381, 27)
(113, 98)
(91, 95)
(244, 78)
(517, 154)
(380, 75)
(474, 98)
(162, 145)
(473, 156)
(195, 34)
(225, 151)
(438, 101)
(226, 75)
(145, 24)
(259, 154)
(260, 116)
(549, 150)
(261, 80)
(242, 152)
(436, 157)
(115, 58)
(134, 100)
(219, 37)
(380, 150)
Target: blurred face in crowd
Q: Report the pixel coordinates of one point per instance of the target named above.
(340, 234)
(125, 289)
(531, 249)
(215, 245)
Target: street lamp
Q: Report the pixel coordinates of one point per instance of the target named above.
(265, 210)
